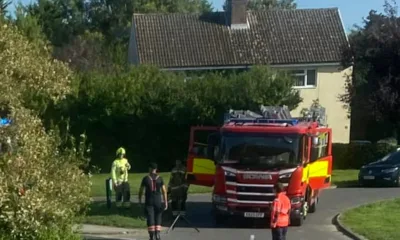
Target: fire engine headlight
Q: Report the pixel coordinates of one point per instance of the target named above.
(230, 174)
(284, 178)
(219, 199)
(296, 200)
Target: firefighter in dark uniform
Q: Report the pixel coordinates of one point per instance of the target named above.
(178, 187)
(154, 185)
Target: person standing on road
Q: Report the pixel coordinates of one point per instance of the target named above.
(154, 185)
(119, 174)
(280, 213)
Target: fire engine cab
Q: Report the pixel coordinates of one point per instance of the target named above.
(250, 152)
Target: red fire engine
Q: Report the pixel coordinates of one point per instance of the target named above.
(250, 152)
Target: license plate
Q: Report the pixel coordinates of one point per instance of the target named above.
(253, 215)
(369, 177)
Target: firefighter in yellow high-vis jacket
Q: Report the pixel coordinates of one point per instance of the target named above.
(119, 174)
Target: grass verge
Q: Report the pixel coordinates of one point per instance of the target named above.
(345, 178)
(116, 217)
(373, 221)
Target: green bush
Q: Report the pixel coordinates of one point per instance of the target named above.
(42, 190)
(353, 156)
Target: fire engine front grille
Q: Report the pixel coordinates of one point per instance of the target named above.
(252, 189)
(252, 209)
(255, 198)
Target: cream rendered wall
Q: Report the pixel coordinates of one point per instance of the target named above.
(330, 84)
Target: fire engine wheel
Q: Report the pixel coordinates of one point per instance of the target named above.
(297, 221)
(313, 207)
(300, 220)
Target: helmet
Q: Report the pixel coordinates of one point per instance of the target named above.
(120, 151)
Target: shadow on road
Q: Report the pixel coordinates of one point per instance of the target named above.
(347, 184)
(200, 216)
(198, 213)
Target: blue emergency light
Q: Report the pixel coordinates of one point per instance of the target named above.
(4, 122)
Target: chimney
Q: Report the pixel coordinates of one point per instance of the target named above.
(236, 13)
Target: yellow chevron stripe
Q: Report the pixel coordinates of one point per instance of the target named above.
(315, 169)
(203, 166)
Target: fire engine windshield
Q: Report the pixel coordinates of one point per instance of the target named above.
(260, 149)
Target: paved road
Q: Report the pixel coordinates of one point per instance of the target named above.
(318, 226)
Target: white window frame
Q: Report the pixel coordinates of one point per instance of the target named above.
(306, 85)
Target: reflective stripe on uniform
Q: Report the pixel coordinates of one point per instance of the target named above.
(151, 228)
(153, 183)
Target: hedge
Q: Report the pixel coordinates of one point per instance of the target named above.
(353, 156)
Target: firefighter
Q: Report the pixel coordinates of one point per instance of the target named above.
(119, 174)
(178, 187)
(280, 213)
(154, 185)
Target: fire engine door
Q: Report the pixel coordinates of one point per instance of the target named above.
(318, 169)
(200, 167)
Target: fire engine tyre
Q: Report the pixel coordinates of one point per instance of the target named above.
(313, 207)
(300, 220)
(297, 222)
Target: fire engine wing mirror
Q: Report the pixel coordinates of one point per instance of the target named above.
(213, 149)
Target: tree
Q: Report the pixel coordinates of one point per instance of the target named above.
(44, 190)
(255, 5)
(271, 4)
(60, 20)
(30, 27)
(3, 6)
(375, 84)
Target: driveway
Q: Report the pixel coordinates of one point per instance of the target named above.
(318, 226)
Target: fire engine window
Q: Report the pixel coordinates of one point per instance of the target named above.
(200, 151)
(320, 149)
(200, 143)
(262, 149)
(304, 148)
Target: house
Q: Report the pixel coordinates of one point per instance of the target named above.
(306, 41)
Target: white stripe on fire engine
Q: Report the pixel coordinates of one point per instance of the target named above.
(250, 202)
(232, 170)
(250, 193)
(253, 185)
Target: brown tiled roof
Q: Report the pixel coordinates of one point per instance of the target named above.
(274, 37)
